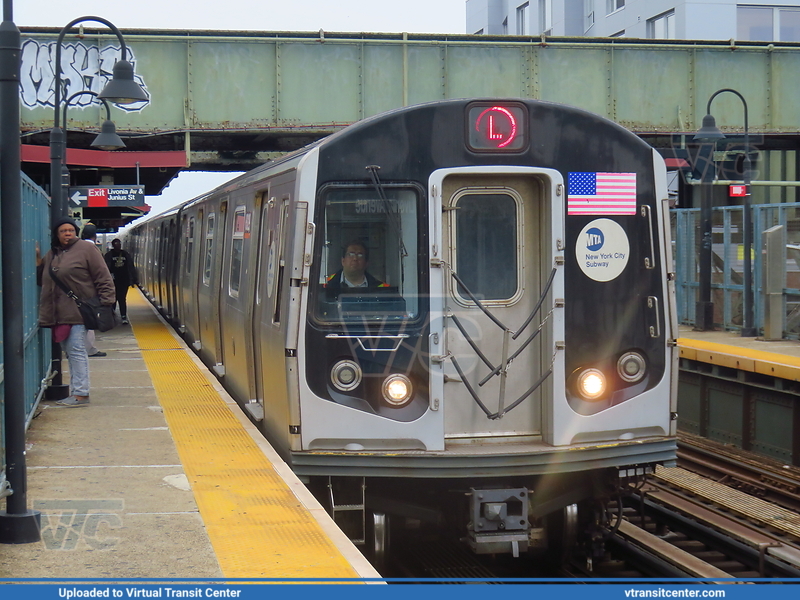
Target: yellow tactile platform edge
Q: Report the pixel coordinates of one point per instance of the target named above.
(744, 359)
(257, 527)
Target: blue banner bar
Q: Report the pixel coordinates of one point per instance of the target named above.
(397, 590)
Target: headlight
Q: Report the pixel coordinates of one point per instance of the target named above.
(591, 384)
(346, 375)
(397, 390)
(631, 367)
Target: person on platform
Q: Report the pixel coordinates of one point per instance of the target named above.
(80, 267)
(122, 270)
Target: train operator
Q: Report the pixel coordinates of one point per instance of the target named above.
(353, 276)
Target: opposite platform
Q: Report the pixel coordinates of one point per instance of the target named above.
(162, 476)
(776, 358)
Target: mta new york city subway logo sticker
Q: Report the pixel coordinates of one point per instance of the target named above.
(602, 250)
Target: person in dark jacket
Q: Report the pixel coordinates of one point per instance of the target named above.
(353, 276)
(122, 270)
(81, 268)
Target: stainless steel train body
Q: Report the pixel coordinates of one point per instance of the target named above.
(517, 358)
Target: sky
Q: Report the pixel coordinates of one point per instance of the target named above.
(385, 16)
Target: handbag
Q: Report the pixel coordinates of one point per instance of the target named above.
(95, 315)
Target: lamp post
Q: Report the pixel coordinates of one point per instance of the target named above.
(18, 525)
(709, 131)
(704, 308)
(121, 89)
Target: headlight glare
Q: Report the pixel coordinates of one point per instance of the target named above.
(591, 384)
(397, 390)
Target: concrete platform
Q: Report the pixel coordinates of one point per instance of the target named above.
(114, 495)
(107, 479)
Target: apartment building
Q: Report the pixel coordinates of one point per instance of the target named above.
(756, 20)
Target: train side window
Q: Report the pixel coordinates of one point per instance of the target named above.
(263, 233)
(281, 262)
(209, 249)
(237, 251)
(486, 244)
(189, 245)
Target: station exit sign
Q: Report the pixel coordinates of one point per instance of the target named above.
(735, 191)
(110, 195)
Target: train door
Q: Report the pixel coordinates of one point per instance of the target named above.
(184, 279)
(208, 296)
(161, 243)
(220, 256)
(172, 269)
(497, 254)
(256, 404)
(196, 274)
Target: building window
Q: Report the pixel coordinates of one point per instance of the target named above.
(620, 33)
(588, 11)
(479, 32)
(522, 18)
(662, 27)
(754, 23)
(789, 24)
(612, 5)
(546, 17)
(505, 26)
(767, 24)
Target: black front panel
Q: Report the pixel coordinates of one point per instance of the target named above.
(604, 317)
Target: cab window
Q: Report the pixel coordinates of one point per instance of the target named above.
(368, 254)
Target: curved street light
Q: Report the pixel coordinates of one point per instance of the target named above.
(121, 89)
(710, 132)
(107, 139)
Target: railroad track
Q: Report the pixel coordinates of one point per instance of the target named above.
(761, 477)
(683, 524)
(731, 518)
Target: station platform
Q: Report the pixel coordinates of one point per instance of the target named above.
(163, 477)
(776, 358)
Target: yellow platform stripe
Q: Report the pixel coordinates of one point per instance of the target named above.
(257, 527)
(744, 359)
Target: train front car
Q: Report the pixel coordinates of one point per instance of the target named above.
(488, 320)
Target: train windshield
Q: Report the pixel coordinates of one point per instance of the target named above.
(368, 255)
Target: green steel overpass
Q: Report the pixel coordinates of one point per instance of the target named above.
(231, 100)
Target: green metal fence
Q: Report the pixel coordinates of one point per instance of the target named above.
(37, 346)
(727, 261)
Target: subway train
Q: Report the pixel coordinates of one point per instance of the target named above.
(456, 316)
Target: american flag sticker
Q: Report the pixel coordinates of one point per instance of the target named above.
(601, 194)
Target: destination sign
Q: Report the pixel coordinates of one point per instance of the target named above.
(111, 195)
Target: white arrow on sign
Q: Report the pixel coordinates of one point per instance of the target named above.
(77, 198)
